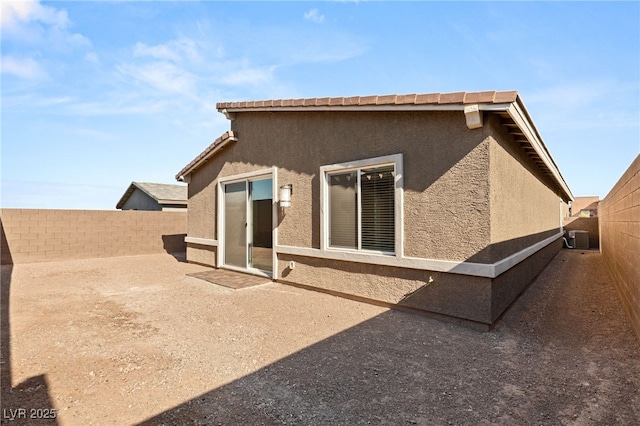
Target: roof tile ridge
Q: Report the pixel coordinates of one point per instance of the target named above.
(506, 96)
(386, 100)
(452, 98)
(406, 99)
(427, 98)
(352, 101)
(368, 100)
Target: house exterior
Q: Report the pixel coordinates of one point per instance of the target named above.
(153, 196)
(581, 223)
(585, 207)
(448, 204)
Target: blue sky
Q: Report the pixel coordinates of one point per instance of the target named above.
(98, 94)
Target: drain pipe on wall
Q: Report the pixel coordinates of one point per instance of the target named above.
(564, 231)
(567, 242)
(565, 239)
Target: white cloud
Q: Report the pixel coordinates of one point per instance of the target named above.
(579, 94)
(74, 40)
(92, 57)
(16, 12)
(161, 51)
(117, 107)
(248, 76)
(174, 50)
(26, 68)
(162, 76)
(581, 105)
(31, 23)
(314, 16)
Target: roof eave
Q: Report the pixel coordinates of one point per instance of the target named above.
(508, 102)
(174, 202)
(224, 140)
(427, 107)
(126, 196)
(516, 110)
(519, 114)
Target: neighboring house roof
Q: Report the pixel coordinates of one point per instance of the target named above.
(161, 192)
(507, 105)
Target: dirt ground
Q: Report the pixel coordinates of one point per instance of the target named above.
(133, 340)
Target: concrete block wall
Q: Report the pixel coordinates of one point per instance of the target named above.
(589, 224)
(38, 235)
(619, 216)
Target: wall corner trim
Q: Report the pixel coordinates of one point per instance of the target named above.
(201, 241)
(485, 270)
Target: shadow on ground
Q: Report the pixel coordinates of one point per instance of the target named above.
(563, 353)
(29, 401)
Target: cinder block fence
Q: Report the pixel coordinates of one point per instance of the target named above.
(39, 235)
(619, 215)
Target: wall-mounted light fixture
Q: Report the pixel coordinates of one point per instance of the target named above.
(285, 195)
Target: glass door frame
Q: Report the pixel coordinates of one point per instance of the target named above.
(220, 216)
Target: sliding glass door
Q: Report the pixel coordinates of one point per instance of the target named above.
(260, 235)
(235, 225)
(248, 224)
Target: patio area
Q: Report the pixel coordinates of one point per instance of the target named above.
(131, 340)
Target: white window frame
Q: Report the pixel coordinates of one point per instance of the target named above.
(388, 160)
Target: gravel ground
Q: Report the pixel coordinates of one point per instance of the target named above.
(133, 340)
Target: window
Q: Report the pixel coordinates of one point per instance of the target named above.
(362, 199)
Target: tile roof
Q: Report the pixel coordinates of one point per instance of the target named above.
(219, 142)
(461, 98)
(161, 192)
(506, 104)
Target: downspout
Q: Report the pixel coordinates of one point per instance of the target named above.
(567, 242)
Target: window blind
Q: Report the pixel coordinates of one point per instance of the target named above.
(377, 209)
(370, 223)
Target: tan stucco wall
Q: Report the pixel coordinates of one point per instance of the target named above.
(524, 210)
(442, 293)
(445, 166)
(204, 255)
(582, 205)
(469, 195)
(202, 204)
(619, 216)
(507, 286)
(478, 299)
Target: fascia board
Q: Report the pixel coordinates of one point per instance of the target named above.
(218, 147)
(519, 116)
(126, 195)
(425, 107)
(181, 202)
